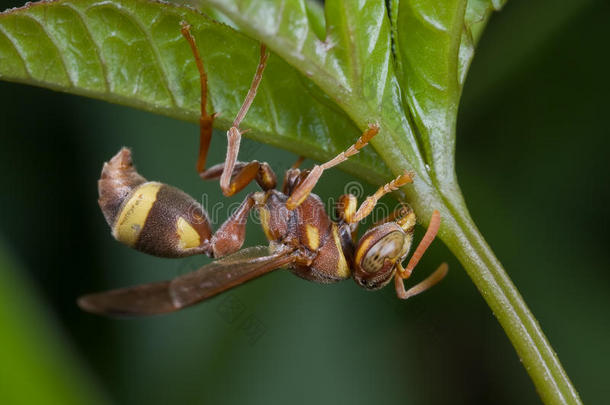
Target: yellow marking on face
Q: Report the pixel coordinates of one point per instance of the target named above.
(312, 237)
(187, 235)
(133, 216)
(343, 269)
(363, 247)
(263, 212)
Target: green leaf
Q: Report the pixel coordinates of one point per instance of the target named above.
(315, 14)
(35, 370)
(434, 46)
(131, 52)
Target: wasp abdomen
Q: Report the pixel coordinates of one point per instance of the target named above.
(152, 217)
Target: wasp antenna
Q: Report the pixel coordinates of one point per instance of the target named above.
(364, 139)
(367, 206)
(419, 288)
(435, 223)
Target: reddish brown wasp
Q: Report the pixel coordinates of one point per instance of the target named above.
(163, 221)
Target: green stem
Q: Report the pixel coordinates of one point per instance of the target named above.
(461, 235)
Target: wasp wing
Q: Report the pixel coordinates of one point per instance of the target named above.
(168, 296)
(226, 273)
(145, 299)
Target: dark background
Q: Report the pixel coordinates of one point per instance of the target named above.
(532, 150)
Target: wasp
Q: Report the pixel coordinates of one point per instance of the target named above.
(161, 220)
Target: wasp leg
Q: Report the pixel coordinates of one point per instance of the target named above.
(404, 273)
(367, 206)
(400, 212)
(293, 176)
(345, 208)
(298, 162)
(228, 183)
(302, 191)
(230, 236)
(243, 174)
(206, 120)
(229, 186)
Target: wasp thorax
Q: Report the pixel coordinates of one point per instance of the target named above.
(149, 216)
(378, 251)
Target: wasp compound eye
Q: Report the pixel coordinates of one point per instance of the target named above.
(390, 247)
(378, 251)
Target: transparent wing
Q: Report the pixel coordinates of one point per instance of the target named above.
(189, 289)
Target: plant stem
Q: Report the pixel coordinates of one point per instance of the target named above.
(461, 235)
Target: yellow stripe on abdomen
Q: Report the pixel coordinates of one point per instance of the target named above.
(134, 213)
(187, 235)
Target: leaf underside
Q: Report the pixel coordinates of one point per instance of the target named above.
(131, 52)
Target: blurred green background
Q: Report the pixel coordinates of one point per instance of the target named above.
(532, 158)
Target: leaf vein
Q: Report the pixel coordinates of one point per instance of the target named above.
(158, 66)
(428, 20)
(98, 51)
(59, 52)
(374, 32)
(14, 45)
